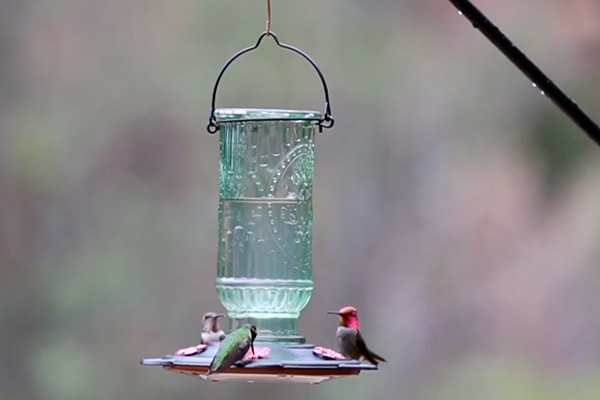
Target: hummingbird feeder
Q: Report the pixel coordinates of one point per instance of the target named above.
(264, 265)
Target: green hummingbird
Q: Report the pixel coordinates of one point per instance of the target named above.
(233, 348)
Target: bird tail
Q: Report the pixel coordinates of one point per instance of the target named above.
(374, 358)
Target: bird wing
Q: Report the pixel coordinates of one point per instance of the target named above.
(368, 354)
(360, 344)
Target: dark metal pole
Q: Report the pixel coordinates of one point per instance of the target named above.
(521, 61)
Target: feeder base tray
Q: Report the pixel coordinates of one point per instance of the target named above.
(285, 363)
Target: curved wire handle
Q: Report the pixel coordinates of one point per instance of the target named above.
(326, 121)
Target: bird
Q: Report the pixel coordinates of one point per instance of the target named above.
(233, 348)
(350, 340)
(211, 332)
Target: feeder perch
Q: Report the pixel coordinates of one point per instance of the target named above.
(264, 265)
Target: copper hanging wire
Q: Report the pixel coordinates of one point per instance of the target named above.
(268, 18)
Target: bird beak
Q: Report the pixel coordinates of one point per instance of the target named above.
(219, 315)
(333, 312)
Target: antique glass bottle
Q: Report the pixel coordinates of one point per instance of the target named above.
(264, 267)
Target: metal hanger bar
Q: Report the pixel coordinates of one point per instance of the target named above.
(520, 60)
(326, 121)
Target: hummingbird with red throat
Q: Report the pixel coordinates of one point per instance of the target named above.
(350, 341)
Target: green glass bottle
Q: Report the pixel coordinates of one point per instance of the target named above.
(264, 267)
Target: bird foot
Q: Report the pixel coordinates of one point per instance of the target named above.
(192, 350)
(327, 354)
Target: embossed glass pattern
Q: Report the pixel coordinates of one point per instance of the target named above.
(264, 267)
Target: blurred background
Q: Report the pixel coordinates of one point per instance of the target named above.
(454, 205)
